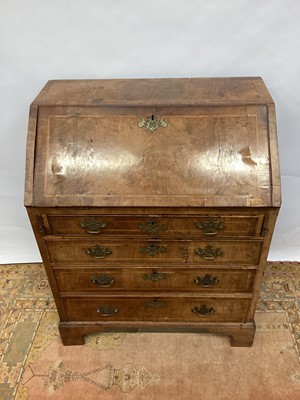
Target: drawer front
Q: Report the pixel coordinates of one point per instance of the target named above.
(171, 225)
(148, 252)
(149, 279)
(164, 308)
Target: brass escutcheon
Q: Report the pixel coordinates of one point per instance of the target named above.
(152, 227)
(155, 303)
(152, 250)
(152, 124)
(155, 276)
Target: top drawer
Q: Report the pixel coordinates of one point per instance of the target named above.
(154, 225)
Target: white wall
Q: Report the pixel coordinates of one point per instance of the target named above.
(42, 40)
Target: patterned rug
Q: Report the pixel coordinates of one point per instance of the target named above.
(146, 366)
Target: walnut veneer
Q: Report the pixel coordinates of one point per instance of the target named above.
(153, 202)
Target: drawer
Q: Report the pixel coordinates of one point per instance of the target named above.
(153, 225)
(150, 279)
(149, 308)
(108, 251)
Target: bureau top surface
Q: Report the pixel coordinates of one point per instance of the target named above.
(153, 143)
(180, 91)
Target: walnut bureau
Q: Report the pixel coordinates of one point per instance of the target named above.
(153, 202)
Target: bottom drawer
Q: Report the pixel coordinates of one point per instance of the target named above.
(164, 308)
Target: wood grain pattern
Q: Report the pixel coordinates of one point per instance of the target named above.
(149, 92)
(39, 232)
(241, 334)
(30, 158)
(166, 225)
(211, 159)
(269, 229)
(173, 308)
(128, 251)
(149, 193)
(155, 279)
(275, 166)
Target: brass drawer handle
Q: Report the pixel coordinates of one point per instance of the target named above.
(91, 225)
(206, 281)
(152, 227)
(209, 253)
(103, 280)
(211, 227)
(155, 276)
(152, 250)
(107, 310)
(98, 251)
(155, 303)
(152, 123)
(203, 310)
